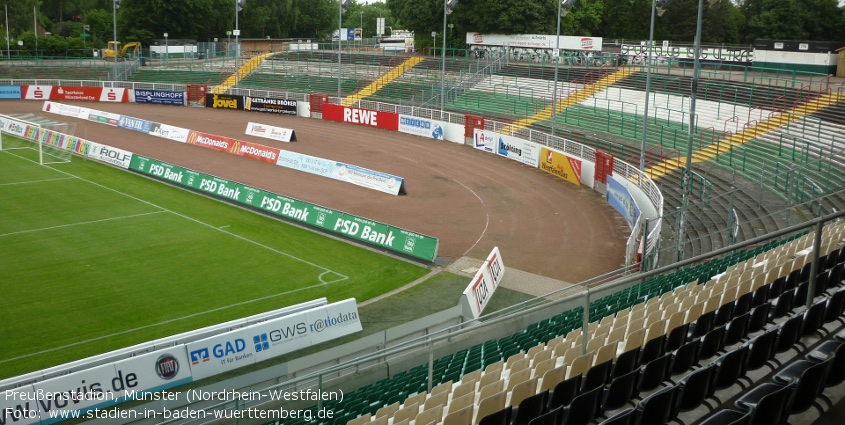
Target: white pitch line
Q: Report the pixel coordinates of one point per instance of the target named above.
(82, 223)
(282, 253)
(152, 325)
(35, 181)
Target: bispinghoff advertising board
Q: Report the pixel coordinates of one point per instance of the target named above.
(159, 97)
(380, 235)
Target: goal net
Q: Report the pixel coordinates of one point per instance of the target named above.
(36, 139)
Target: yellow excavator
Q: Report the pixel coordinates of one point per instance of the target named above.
(128, 49)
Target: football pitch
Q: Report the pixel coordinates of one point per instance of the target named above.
(93, 258)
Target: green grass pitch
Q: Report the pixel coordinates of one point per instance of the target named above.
(93, 259)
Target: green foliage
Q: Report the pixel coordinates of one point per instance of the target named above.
(204, 20)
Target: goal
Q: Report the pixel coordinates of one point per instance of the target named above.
(31, 139)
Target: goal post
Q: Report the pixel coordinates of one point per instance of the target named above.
(30, 139)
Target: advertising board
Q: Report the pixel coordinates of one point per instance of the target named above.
(159, 97)
(537, 41)
(224, 101)
(94, 94)
(422, 127)
(619, 197)
(250, 344)
(10, 92)
(369, 232)
(560, 165)
(507, 146)
(270, 132)
(271, 105)
(360, 116)
(480, 289)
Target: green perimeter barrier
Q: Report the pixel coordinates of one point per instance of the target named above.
(383, 236)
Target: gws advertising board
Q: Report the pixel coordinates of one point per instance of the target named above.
(480, 289)
(250, 344)
(507, 146)
(422, 127)
(621, 200)
(270, 132)
(97, 388)
(159, 97)
(368, 232)
(560, 165)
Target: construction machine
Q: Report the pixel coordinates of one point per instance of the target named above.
(128, 49)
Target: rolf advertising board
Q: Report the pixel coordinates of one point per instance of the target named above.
(480, 289)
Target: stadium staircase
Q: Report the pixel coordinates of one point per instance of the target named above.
(241, 73)
(573, 99)
(382, 81)
(723, 146)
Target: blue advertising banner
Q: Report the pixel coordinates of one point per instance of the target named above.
(160, 97)
(136, 124)
(10, 92)
(620, 199)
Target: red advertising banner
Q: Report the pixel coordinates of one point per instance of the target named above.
(234, 146)
(93, 94)
(359, 116)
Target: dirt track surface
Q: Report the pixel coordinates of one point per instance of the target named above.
(470, 200)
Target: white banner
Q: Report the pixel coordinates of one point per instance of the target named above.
(370, 179)
(507, 146)
(537, 41)
(65, 110)
(270, 132)
(479, 291)
(250, 344)
(421, 127)
(165, 131)
(96, 388)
